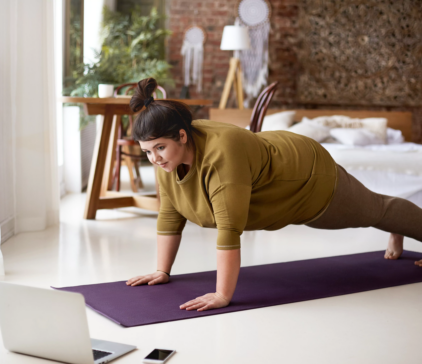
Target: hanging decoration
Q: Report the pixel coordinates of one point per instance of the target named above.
(193, 56)
(255, 14)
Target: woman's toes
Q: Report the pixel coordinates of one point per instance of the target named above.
(389, 254)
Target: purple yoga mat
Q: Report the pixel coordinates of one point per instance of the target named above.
(258, 286)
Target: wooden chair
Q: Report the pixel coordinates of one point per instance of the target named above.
(261, 106)
(127, 149)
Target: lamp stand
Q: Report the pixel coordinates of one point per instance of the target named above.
(233, 77)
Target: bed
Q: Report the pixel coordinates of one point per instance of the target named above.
(390, 169)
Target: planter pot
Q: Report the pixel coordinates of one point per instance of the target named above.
(78, 146)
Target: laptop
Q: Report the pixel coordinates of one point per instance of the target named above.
(51, 324)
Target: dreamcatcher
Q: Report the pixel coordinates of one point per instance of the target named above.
(193, 56)
(255, 14)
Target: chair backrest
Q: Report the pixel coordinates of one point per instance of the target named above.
(261, 106)
(130, 86)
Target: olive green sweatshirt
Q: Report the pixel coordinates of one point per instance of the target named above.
(245, 181)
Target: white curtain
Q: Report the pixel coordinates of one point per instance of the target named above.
(29, 188)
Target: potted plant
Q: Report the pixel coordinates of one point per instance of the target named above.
(132, 49)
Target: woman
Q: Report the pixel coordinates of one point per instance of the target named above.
(221, 176)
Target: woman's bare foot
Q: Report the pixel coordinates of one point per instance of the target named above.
(395, 246)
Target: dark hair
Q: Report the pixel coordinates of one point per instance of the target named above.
(159, 118)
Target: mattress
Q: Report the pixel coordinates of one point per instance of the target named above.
(392, 169)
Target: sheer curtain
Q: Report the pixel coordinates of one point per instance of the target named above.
(29, 188)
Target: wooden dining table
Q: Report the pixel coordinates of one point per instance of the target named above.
(98, 194)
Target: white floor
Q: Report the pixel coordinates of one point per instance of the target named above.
(382, 326)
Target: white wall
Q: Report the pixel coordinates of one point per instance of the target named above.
(58, 55)
(7, 114)
(29, 197)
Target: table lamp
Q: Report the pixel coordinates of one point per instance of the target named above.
(235, 38)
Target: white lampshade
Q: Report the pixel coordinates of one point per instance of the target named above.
(235, 38)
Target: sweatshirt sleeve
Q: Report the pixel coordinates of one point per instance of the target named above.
(230, 203)
(170, 221)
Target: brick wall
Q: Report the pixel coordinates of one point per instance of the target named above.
(213, 15)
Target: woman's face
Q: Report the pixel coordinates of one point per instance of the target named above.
(166, 153)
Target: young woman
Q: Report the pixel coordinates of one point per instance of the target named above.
(221, 176)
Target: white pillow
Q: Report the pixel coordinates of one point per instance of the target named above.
(375, 125)
(279, 121)
(330, 140)
(335, 121)
(356, 136)
(394, 136)
(311, 130)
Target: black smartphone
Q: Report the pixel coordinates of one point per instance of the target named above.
(158, 356)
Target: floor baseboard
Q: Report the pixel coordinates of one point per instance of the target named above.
(7, 229)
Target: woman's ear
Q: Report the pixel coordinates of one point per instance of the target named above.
(183, 136)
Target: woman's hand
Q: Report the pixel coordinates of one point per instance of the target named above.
(206, 302)
(151, 279)
(419, 263)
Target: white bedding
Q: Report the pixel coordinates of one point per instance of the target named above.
(390, 169)
(405, 158)
(399, 147)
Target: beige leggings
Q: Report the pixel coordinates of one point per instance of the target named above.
(354, 206)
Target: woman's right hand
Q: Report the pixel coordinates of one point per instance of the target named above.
(154, 278)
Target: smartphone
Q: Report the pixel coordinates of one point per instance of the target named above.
(158, 356)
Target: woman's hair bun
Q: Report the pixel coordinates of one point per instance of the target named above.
(143, 91)
(162, 118)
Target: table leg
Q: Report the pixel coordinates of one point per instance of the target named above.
(139, 183)
(97, 165)
(130, 167)
(111, 156)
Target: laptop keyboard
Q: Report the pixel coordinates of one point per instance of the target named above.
(98, 354)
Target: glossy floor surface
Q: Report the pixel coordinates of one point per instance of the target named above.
(382, 326)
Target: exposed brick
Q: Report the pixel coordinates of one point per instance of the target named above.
(220, 13)
(284, 67)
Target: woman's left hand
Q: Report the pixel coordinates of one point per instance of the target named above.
(419, 263)
(206, 302)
